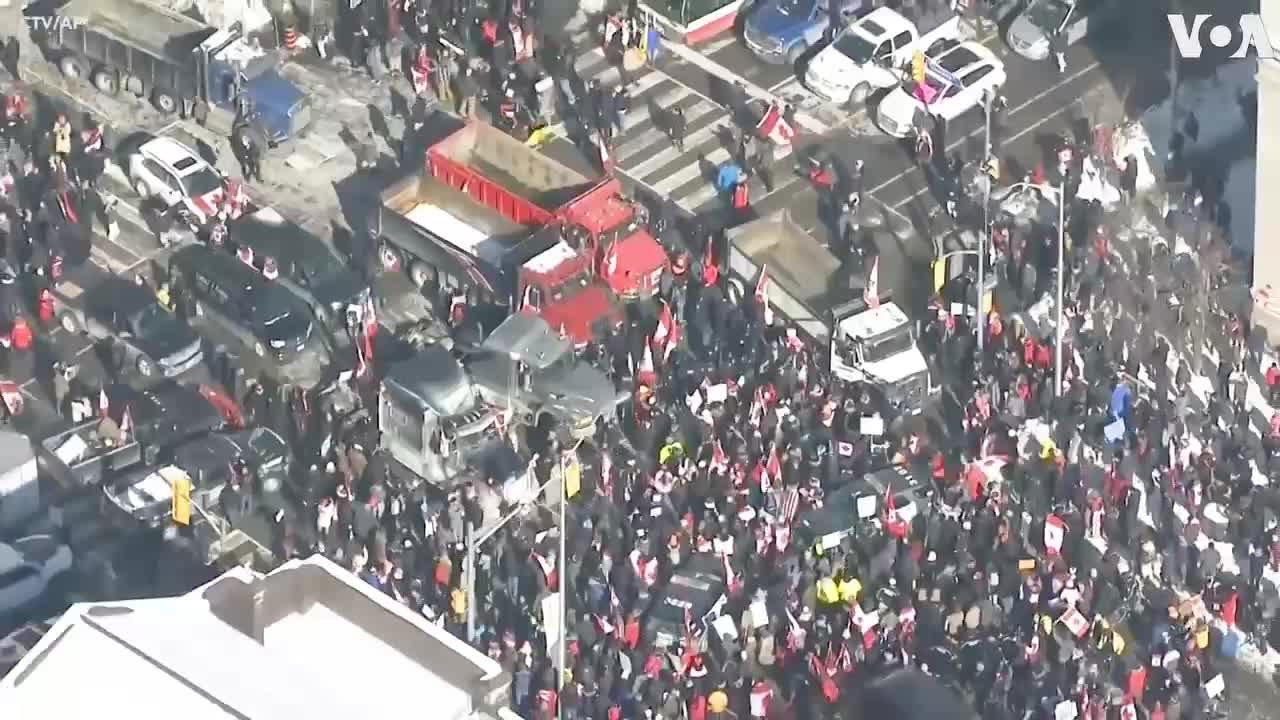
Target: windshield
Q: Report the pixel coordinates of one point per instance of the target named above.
(855, 47)
(795, 7)
(151, 321)
(570, 287)
(883, 347)
(1048, 14)
(202, 182)
(266, 444)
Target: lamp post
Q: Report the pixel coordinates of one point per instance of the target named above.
(984, 235)
(1060, 193)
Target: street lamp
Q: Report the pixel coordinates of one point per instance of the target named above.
(1060, 192)
(984, 236)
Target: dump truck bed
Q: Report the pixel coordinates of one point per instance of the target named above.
(805, 277)
(140, 24)
(466, 225)
(495, 169)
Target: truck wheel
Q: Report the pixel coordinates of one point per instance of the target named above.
(389, 257)
(71, 67)
(421, 274)
(165, 101)
(106, 82)
(69, 323)
(858, 95)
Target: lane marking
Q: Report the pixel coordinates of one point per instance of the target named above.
(688, 173)
(1014, 111)
(670, 154)
(631, 148)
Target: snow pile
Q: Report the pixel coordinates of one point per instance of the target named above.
(1215, 101)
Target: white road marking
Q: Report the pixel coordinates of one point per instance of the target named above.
(632, 147)
(690, 172)
(671, 153)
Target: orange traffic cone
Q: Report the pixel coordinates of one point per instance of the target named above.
(290, 34)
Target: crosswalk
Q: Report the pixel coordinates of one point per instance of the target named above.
(643, 151)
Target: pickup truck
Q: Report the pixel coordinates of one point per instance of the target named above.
(782, 31)
(875, 52)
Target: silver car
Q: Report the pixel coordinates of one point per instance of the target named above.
(1030, 31)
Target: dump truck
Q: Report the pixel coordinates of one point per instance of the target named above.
(446, 240)
(814, 292)
(147, 51)
(533, 191)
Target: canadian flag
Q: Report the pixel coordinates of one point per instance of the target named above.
(667, 334)
(104, 403)
(646, 374)
(1054, 532)
(773, 468)
(871, 294)
(370, 313)
(893, 524)
(611, 259)
(362, 363)
(126, 425)
(762, 286)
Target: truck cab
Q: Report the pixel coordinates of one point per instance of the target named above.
(523, 365)
(431, 419)
(877, 346)
(557, 283)
(781, 31)
(229, 66)
(611, 229)
(874, 52)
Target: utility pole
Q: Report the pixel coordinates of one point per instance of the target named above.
(563, 581)
(471, 583)
(984, 235)
(1060, 330)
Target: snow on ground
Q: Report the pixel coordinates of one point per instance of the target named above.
(1215, 101)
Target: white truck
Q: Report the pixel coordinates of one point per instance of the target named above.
(875, 53)
(813, 291)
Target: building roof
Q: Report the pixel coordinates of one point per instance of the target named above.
(308, 640)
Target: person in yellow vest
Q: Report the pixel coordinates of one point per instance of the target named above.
(850, 589)
(828, 591)
(62, 136)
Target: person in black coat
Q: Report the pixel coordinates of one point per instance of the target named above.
(9, 57)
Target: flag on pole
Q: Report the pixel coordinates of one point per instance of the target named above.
(646, 374)
(762, 286)
(719, 458)
(126, 425)
(872, 292)
(665, 323)
(104, 403)
(893, 523)
(710, 269)
(370, 313)
(1054, 533)
(773, 468)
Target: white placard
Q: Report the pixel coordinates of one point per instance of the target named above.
(831, 540)
(1066, 710)
(1181, 512)
(759, 614)
(725, 628)
(872, 425)
(717, 393)
(957, 309)
(551, 621)
(694, 401)
(866, 505)
(1215, 687)
(866, 621)
(907, 512)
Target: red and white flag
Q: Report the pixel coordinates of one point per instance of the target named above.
(719, 459)
(773, 468)
(646, 374)
(893, 522)
(610, 262)
(871, 294)
(370, 314)
(104, 403)
(1055, 531)
(762, 286)
(126, 425)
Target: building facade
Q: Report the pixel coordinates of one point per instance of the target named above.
(1266, 255)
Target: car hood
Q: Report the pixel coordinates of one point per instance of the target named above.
(771, 20)
(579, 392)
(576, 315)
(1025, 34)
(899, 367)
(171, 339)
(899, 106)
(833, 66)
(293, 328)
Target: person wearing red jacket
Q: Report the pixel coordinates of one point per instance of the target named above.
(21, 336)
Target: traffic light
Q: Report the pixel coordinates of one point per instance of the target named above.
(917, 67)
(181, 506)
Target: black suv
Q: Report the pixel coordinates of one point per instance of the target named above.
(307, 265)
(146, 338)
(264, 315)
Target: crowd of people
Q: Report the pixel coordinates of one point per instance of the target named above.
(1094, 549)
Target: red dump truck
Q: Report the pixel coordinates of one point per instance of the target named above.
(533, 190)
(444, 237)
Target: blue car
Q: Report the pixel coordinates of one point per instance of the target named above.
(780, 31)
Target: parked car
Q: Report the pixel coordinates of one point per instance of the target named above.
(1030, 31)
(164, 168)
(146, 338)
(29, 567)
(170, 412)
(958, 79)
(211, 457)
(781, 31)
(691, 594)
(263, 315)
(305, 263)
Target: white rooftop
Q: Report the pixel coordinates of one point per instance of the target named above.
(551, 258)
(308, 640)
(873, 322)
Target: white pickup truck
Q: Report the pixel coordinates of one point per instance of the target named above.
(875, 52)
